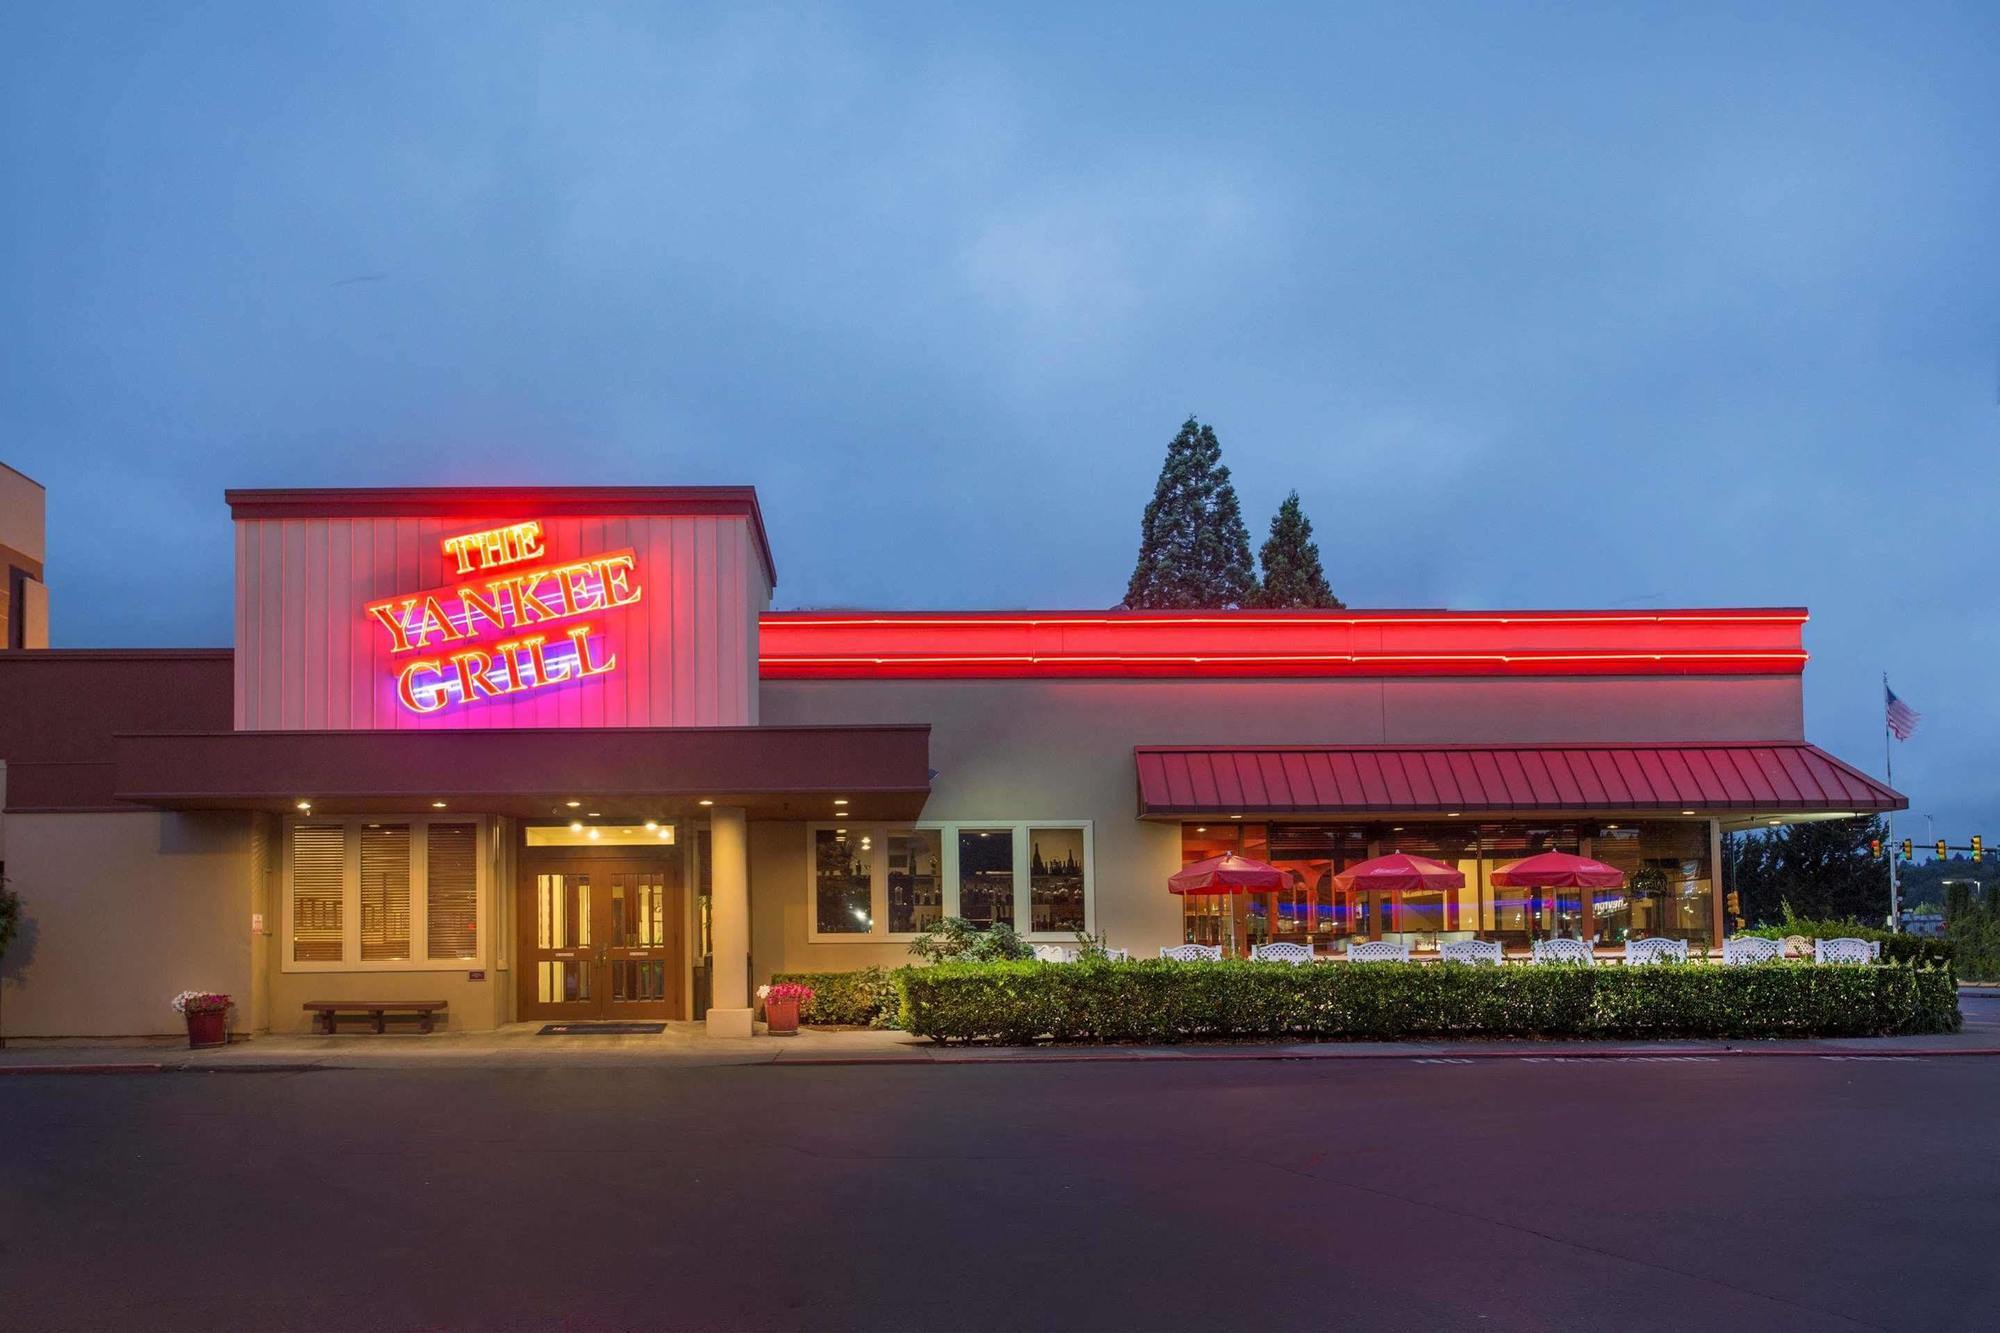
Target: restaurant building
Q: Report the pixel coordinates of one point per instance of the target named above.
(548, 754)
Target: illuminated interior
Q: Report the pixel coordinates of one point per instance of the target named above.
(578, 833)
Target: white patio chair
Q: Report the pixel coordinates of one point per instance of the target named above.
(1117, 955)
(1192, 953)
(1565, 951)
(1377, 951)
(1740, 950)
(1655, 950)
(1471, 951)
(1874, 951)
(1798, 946)
(1843, 950)
(1054, 953)
(1283, 951)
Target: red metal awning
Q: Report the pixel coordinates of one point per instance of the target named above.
(1724, 778)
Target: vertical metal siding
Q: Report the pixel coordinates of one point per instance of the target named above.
(308, 658)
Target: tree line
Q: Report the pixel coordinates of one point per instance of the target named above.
(1194, 552)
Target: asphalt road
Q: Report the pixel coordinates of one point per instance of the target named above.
(1676, 1194)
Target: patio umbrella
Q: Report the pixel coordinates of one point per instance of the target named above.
(1558, 870)
(1229, 873)
(1399, 873)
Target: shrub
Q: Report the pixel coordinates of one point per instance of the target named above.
(1168, 1002)
(863, 998)
(955, 939)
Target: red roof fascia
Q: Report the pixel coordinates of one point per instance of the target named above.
(1778, 777)
(815, 645)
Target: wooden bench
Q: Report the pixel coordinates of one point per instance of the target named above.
(326, 1012)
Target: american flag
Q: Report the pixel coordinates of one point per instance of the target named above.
(1903, 719)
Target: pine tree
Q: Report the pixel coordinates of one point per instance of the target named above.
(1292, 573)
(1194, 552)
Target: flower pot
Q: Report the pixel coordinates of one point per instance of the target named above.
(782, 1016)
(208, 1028)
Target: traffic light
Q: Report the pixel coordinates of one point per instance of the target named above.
(1733, 902)
(1875, 848)
(1940, 849)
(1909, 850)
(1978, 848)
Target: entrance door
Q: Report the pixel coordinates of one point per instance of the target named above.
(600, 938)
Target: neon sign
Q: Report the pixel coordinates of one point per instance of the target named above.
(512, 632)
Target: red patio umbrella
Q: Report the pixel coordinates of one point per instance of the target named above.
(1229, 873)
(1399, 873)
(1558, 870)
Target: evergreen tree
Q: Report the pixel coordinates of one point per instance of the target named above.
(1292, 573)
(1194, 552)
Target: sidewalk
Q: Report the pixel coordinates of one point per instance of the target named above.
(688, 1046)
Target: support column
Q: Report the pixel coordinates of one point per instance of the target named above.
(729, 1008)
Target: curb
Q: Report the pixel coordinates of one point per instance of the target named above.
(84, 1069)
(1192, 1057)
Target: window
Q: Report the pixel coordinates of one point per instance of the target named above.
(1055, 879)
(890, 881)
(843, 879)
(451, 871)
(319, 865)
(986, 876)
(385, 893)
(382, 895)
(916, 879)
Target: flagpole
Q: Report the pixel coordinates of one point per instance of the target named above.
(1889, 775)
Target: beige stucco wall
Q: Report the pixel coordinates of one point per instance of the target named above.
(1062, 750)
(120, 913)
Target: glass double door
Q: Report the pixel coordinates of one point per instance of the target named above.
(600, 938)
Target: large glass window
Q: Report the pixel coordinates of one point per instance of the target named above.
(376, 894)
(1055, 879)
(986, 876)
(844, 881)
(1668, 890)
(891, 881)
(916, 879)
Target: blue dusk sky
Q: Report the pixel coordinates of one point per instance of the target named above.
(1535, 305)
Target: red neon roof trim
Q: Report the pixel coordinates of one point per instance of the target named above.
(1778, 777)
(915, 645)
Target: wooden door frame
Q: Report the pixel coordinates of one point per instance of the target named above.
(670, 860)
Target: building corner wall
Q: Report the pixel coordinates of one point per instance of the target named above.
(122, 911)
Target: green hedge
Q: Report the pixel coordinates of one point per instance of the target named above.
(863, 998)
(1167, 1002)
(1896, 948)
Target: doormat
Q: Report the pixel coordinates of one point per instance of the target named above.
(601, 1029)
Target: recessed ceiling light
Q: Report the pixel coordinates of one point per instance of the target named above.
(596, 814)
(652, 823)
(840, 830)
(1202, 829)
(1687, 812)
(576, 828)
(437, 805)
(305, 805)
(1236, 816)
(572, 804)
(1774, 821)
(1452, 814)
(705, 801)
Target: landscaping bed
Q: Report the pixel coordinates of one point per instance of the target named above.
(1167, 1002)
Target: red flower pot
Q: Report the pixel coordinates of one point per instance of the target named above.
(782, 1016)
(208, 1028)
